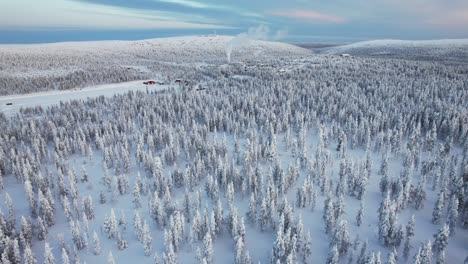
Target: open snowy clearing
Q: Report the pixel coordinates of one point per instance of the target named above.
(45, 99)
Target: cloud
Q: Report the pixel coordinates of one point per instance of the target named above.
(189, 3)
(210, 6)
(84, 15)
(307, 15)
(455, 20)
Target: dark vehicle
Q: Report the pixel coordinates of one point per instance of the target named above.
(9, 103)
(149, 82)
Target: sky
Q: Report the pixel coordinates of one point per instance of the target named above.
(298, 21)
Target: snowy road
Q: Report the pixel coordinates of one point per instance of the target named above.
(54, 97)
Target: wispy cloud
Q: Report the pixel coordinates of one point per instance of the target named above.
(74, 14)
(307, 15)
(211, 6)
(189, 3)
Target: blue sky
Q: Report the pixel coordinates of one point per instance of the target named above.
(325, 21)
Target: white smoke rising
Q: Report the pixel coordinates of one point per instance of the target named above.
(262, 32)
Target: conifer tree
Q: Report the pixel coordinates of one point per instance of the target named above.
(329, 215)
(252, 213)
(122, 244)
(208, 245)
(438, 207)
(28, 256)
(392, 257)
(48, 256)
(341, 238)
(88, 207)
(42, 229)
(333, 256)
(441, 258)
(360, 214)
(453, 215)
(441, 239)
(65, 258)
(96, 244)
(110, 258)
(307, 247)
(147, 240)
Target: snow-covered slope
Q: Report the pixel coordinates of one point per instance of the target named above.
(11, 104)
(40, 67)
(455, 50)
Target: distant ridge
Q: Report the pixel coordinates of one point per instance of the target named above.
(449, 50)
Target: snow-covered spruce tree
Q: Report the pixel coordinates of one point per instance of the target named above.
(384, 212)
(110, 258)
(374, 258)
(252, 213)
(88, 207)
(208, 246)
(111, 225)
(28, 255)
(123, 221)
(11, 212)
(420, 195)
(360, 214)
(441, 258)
(48, 256)
(279, 247)
(122, 244)
(65, 258)
(425, 254)
(341, 238)
(136, 196)
(42, 229)
(147, 240)
(26, 231)
(452, 217)
(239, 251)
(169, 256)
(441, 239)
(31, 197)
(392, 257)
(76, 234)
(313, 201)
(96, 244)
(102, 197)
(307, 247)
(46, 211)
(394, 234)
(329, 215)
(333, 255)
(409, 234)
(138, 225)
(339, 206)
(438, 207)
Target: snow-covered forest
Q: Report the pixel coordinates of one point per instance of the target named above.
(281, 159)
(62, 66)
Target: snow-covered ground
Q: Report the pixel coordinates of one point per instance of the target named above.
(45, 99)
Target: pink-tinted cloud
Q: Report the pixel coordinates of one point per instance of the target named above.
(454, 20)
(308, 15)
